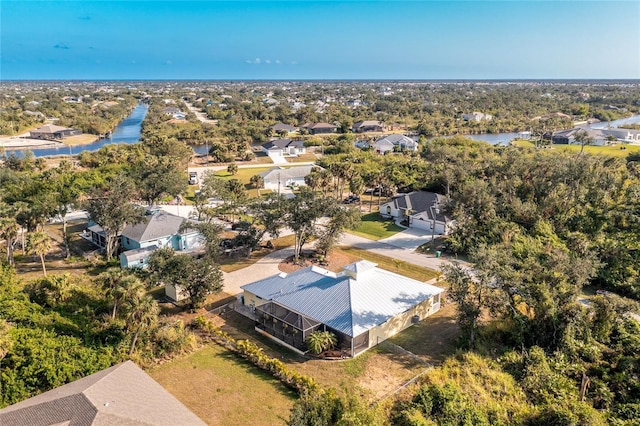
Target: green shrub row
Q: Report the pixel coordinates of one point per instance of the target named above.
(254, 354)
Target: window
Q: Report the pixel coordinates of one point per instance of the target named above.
(388, 209)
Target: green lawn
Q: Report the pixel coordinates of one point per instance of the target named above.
(223, 389)
(243, 175)
(394, 265)
(372, 226)
(613, 150)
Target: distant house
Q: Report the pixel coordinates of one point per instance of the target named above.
(421, 209)
(320, 128)
(279, 178)
(283, 128)
(389, 142)
(52, 132)
(564, 137)
(477, 116)
(284, 147)
(362, 305)
(367, 126)
(120, 395)
(160, 229)
(624, 135)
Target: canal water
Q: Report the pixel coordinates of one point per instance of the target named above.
(128, 131)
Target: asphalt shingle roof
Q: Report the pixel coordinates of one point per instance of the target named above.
(120, 395)
(421, 201)
(156, 225)
(351, 302)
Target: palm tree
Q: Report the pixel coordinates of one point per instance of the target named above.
(320, 341)
(9, 232)
(142, 312)
(120, 285)
(39, 243)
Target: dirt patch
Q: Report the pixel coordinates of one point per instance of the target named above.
(334, 262)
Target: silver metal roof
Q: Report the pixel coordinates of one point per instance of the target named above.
(350, 302)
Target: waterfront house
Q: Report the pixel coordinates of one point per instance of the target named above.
(120, 395)
(477, 116)
(390, 142)
(53, 132)
(420, 210)
(362, 305)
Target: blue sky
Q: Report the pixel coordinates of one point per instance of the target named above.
(319, 40)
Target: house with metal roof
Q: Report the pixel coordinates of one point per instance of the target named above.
(362, 305)
(159, 229)
(120, 395)
(421, 209)
(279, 178)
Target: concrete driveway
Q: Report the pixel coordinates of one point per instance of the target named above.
(409, 239)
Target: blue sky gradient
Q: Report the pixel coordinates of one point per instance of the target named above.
(319, 40)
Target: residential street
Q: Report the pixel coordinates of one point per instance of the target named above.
(268, 265)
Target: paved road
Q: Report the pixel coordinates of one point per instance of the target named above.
(268, 265)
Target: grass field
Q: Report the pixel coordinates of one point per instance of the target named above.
(82, 139)
(223, 389)
(372, 226)
(613, 150)
(394, 265)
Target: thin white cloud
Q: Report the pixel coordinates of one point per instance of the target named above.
(267, 61)
(277, 61)
(254, 61)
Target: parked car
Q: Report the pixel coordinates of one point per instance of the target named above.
(351, 199)
(193, 178)
(241, 226)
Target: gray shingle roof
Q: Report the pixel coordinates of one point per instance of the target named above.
(350, 302)
(120, 395)
(420, 201)
(157, 225)
(291, 172)
(283, 143)
(402, 140)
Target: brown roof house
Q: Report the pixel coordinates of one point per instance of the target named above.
(367, 126)
(120, 395)
(319, 128)
(51, 132)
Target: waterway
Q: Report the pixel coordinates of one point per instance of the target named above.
(505, 138)
(127, 131)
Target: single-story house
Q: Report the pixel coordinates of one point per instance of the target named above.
(564, 137)
(477, 116)
(284, 147)
(159, 229)
(389, 142)
(367, 126)
(120, 395)
(320, 128)
(420, 209)
(631, 136)
(278, 178)
(170, 111)
(51, 132)
(362, 305)
(283, 128)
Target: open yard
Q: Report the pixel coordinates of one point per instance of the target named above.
(394, 265)
(223, 389)
(373, 227)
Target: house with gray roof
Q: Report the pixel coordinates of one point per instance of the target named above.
(282, 147)
(52, 132)
(362, 305)
(390, 142)
(159, 229)
(421, 209)
(279, 178)
(320, 128)
(121, 395)
(283, 128)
